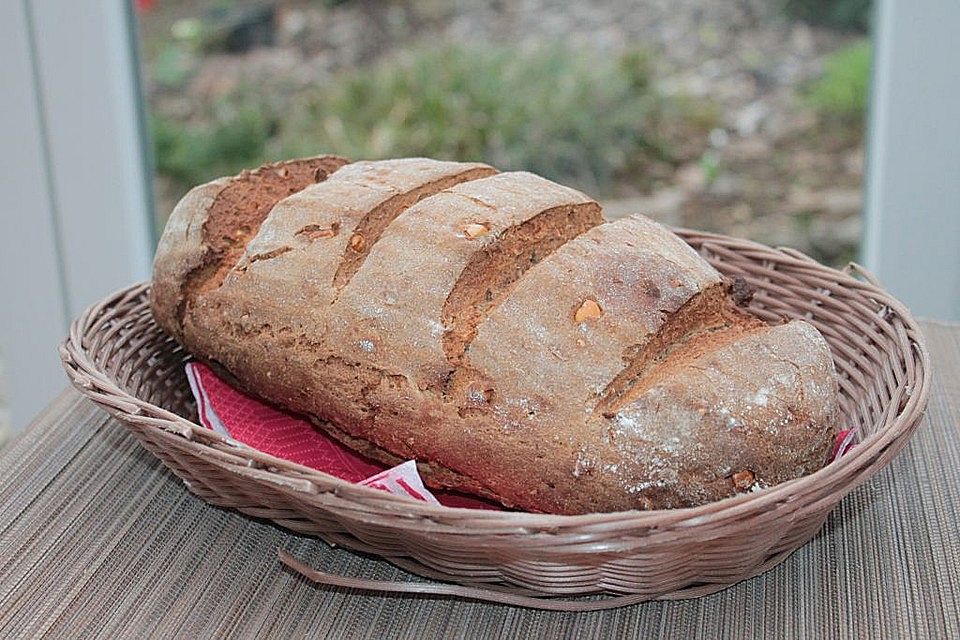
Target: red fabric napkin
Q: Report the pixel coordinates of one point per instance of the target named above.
(284, 435)
(843, 443)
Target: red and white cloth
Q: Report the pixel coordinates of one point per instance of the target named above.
(259, 426)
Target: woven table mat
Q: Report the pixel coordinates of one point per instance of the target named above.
(97, 539)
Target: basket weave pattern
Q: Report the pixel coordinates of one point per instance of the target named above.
(118, 357)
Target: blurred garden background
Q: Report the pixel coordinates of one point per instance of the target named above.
(740, 116)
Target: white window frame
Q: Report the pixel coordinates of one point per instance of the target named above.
(912, 217)
(76, 205)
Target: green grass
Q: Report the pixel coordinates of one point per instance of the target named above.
(172, 66)
(234, 136)
(842, 92)
(845, 15)
(556, 112)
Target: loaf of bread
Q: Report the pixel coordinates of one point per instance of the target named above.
(497, 329)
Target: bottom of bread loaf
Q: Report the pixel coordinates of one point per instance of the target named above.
(435, 476)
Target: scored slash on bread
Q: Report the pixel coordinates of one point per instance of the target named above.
(494, 327)
(211, 226)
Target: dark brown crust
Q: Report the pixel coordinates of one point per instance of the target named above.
(741, 292)
(373, 224)
(707, 321)
(440, 477)
(488, 277)
(202, 241)
(238, 211)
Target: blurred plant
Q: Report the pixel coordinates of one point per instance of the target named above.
(188, 30)
(172, 66)
(556, 112)
(236, 28)
(233, 137)
(225, 26)
(710, 165)
(842, 91)
(846, 15)
(175, 59)
(803, 222)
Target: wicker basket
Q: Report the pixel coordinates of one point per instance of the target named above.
(118, 357)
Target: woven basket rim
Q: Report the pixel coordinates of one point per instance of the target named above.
(846, 469)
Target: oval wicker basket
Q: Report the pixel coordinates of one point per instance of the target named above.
(118, 357)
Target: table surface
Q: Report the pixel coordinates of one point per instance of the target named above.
(97, 539)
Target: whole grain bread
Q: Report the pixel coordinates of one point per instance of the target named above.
(497, 329)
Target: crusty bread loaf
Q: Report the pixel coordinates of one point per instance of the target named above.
(494, 327)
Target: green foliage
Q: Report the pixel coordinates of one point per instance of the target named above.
(842, 92)
(803, 222)
(555, 112)
(846, 15)
(710, 163)
(172, 66)
(234, 137)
